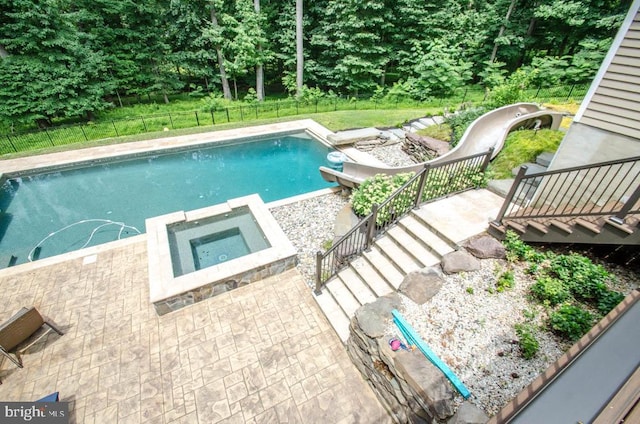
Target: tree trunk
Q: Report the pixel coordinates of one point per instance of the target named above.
(502, 28)
(259, 67)
(119, 98)
(299, 49)
(223, 73)
(235, 87)
(3, 52)
(165, 97)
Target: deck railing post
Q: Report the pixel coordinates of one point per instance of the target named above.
(487, 159)
(507, 200)
(319, 282)
(421, 184)
(633, 199)
(371, 230)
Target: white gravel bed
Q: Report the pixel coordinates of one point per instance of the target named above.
(472, 331)
(470, 326)
(309, 225)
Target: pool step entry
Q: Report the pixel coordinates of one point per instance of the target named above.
(409, 246)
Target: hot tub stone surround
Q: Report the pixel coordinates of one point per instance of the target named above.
(169, 293)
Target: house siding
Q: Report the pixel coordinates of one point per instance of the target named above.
(614, 105)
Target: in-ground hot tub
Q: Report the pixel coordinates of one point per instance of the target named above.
(200, 254)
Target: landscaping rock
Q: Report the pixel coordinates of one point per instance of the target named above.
(423, 148)
(459, 261)
(373, 317)
(486, 247)
(420, 286)
(468, 413)
(428, 381)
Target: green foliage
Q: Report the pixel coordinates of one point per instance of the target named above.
(571, 321)
(527, 340)
(460, 121)
(469, 290)
(512, 91)
(376, 190)
(586, 280)
(550, 290)
(439, 71)
(608, 300)
(505, 281)
(521, 147)
(519, 250)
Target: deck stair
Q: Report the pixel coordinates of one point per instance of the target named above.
(409, 246)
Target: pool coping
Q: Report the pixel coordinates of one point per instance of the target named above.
(169, 293)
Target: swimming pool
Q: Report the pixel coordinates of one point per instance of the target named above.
(47, 214)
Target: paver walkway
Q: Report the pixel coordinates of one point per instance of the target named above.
(261, 353)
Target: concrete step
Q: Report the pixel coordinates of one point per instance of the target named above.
(418, 125)
(398, 133)
(435, 243)
(427, 122)
(438, 119)
(343, 296)
(395, 253)
(413, 246)
(335, 315)
(353, 280)
(374, 280)
(388, 270)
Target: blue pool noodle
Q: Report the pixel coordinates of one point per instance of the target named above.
(412, 337)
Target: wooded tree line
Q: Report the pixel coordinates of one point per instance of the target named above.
(71, 58)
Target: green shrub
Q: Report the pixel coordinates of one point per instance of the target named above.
(608, 300)
(570, 321)
(460, 121)
(505, 281)
(376, 190)
(586, 280)
(527, 340)
(549, 289)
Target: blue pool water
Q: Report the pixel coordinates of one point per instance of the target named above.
(89, 201)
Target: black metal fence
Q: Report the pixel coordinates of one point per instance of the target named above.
(104, 129)
(432, 182)
(603, 189)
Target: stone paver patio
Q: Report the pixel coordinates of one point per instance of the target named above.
(261, 353)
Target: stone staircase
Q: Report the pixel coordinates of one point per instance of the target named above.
(409, 246)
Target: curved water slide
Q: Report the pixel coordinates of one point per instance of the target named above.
(489, 130)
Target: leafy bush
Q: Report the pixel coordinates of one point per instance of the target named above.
(570, 321)
(460, 121)
(551, 290)
(505, 281)
(608, 300)
(376, 190)
(586, 280)
(519, 250)
(527, 340)
(512, 91)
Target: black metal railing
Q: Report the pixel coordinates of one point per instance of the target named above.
(608, 189)
(430, 183)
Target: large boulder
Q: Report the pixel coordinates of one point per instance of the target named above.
(420, 286)
(485, 247)
(374, 317)
(468, 413)
(459, 261)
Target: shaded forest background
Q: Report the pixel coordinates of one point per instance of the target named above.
(63, 58)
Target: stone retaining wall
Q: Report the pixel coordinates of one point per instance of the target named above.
(408, 385)
(422, 148)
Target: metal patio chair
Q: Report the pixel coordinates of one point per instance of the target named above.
(22, 325)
